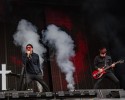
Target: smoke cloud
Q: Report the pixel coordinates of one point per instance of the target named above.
(64, 51)
(27, 33)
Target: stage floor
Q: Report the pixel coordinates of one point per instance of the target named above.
(86, 94)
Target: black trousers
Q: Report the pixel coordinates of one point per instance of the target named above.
(110, 76)
(31, 77)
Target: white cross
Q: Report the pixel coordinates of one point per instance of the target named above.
(4, 72)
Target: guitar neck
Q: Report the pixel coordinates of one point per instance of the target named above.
(110, 66)
(107, 67)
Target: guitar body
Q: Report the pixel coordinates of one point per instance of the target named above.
(96, 74)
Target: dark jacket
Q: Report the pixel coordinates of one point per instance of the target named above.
(100, 62)
(32, 63)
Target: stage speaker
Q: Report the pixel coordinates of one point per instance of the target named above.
(122, 93)
(2, 95)
(46, 95)
(88, 93)
(76, 94)
(26, 94)
(109, 93)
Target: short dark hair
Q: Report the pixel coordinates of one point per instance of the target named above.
(103, 50)
(29, 45)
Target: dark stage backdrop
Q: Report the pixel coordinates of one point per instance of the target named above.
(70, 20)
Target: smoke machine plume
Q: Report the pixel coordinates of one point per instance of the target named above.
(27, 33)
(64, 51)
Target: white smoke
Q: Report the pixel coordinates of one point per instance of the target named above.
(27, 34)
(64, 51)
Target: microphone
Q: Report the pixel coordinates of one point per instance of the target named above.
(28, 54)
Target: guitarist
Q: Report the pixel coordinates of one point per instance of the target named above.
(102, 61)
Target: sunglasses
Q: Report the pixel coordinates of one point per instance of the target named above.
(29, 47)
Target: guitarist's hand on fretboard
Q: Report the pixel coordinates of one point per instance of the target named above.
(113, 65)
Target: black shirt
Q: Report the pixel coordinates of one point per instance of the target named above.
(32, 63)
(100, 62)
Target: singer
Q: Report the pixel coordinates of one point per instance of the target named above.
(32, 66)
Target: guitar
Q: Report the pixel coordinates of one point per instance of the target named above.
(96, 74)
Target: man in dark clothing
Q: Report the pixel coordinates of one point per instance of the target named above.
(32, 67)
(103, 61)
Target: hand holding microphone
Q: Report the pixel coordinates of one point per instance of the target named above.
(28, 53)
